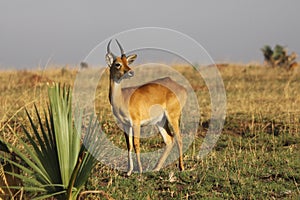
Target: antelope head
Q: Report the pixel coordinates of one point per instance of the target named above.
(119, 68)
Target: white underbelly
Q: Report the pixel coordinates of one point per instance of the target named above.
(156, 114)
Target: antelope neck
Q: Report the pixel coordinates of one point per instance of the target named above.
(115, 94)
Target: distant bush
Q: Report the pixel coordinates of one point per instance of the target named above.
(278, 57)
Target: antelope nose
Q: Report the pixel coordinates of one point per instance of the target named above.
(130, 73)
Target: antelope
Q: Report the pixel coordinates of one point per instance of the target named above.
(158, 102)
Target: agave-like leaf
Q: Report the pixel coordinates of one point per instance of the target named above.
(44, 149)
(66, 140)
(32, 160)
(49, 195)
(55, 163)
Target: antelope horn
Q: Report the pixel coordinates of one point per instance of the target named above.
(121, 49)
(108, 49)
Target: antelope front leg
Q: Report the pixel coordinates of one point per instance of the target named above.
(136, 144)
(129, 140)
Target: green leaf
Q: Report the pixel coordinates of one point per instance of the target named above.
(53, 161)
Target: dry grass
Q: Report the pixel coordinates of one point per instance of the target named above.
(257, 155)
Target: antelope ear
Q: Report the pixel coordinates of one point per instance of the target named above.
(131, 58)
(109, 59)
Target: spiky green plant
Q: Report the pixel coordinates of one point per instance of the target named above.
(278, 56)
(54, 163)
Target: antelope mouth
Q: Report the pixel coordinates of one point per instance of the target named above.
(127, 75)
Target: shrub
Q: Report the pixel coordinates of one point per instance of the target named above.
(53, 162)
(278, 57)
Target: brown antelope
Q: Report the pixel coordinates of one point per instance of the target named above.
(158, 102)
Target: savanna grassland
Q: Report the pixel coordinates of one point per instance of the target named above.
(256, 157)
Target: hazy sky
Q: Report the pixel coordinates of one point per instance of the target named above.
(33, 31)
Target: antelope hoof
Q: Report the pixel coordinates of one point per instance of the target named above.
(129, 173)
(156, 169)
(181, 168)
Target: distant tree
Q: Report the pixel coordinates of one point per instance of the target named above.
(279, 57)
(268, 54)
